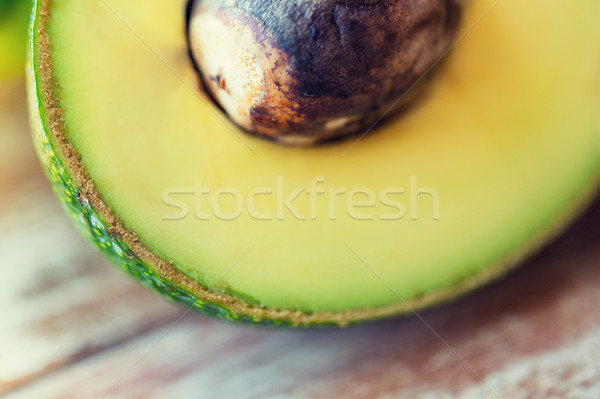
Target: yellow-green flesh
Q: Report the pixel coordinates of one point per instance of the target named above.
(508, 136)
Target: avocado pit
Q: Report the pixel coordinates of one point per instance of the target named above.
(303, 72)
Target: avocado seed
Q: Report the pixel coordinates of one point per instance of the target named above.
(304, 71)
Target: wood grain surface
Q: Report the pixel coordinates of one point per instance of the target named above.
(72, 326)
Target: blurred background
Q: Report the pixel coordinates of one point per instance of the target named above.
(73, 326)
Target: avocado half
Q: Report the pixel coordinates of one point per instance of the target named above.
(498, 158)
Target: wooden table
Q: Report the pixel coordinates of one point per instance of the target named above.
(73, 326)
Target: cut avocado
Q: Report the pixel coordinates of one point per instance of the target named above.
(14, 17)
(498, 157)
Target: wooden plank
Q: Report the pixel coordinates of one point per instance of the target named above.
(536, 334)
(18, 165)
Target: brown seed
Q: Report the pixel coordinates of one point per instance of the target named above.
(303, 71)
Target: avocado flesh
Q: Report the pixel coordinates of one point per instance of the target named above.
(507, 136)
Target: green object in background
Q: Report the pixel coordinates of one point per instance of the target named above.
(14, 18)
